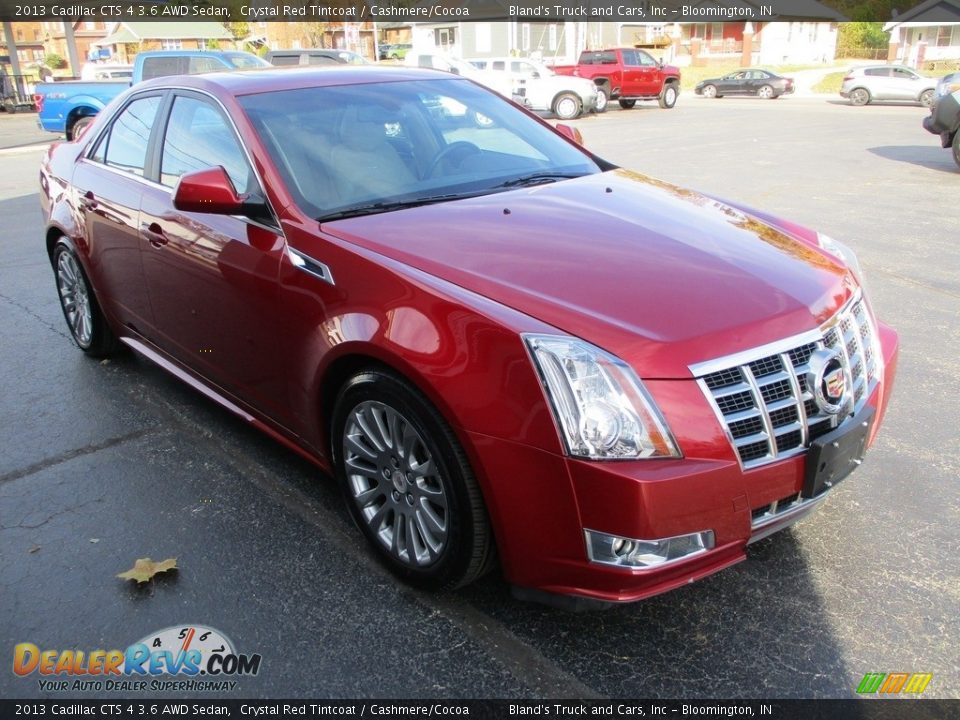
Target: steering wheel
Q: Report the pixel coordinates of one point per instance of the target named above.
(459, 151)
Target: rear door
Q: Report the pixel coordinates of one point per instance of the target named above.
(880, 83)
(212, 279)
(109, 184)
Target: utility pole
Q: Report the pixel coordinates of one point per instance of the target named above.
(72, 48)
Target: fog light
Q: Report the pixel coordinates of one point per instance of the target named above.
(641, 554)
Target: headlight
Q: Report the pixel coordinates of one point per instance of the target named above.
(602, 408)
(843, 253)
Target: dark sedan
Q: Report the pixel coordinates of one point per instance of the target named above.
(761, 83)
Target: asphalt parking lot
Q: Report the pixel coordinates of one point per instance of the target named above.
(102, 463)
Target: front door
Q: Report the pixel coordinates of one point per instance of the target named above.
(213, 279)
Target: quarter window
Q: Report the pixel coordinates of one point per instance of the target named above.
(125, 145)
(198, 137)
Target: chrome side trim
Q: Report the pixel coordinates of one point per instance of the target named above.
(200, 387)
(310, 266)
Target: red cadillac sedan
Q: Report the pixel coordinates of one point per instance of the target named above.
(504, 347)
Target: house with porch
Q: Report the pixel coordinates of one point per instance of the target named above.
(926, 34)
(126, 39)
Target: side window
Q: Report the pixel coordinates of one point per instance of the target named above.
(902, 74)
(198, 137)
(499, 65)
(125, 144)
(878, 72)
(154, 67)
(321, 60)
(204, 64)
(285, 60)
(645, 59)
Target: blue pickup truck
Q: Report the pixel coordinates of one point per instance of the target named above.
(68, 107)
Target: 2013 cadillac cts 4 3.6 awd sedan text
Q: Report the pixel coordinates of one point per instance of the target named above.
(502, 345)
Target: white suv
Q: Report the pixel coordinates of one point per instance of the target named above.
(542, 89)
(887, 82)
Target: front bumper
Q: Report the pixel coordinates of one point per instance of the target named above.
(943, 118)
(543, 502)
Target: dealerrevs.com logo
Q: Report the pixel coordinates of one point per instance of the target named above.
(179, 658)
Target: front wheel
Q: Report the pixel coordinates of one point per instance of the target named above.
(668, 96)
(85, 319)
(927, 97)
(408, 483)
(860, 96)
(628, 104)
(710, 91)
(956, 148)
(603, 97)
(566, 106)
(765, 92)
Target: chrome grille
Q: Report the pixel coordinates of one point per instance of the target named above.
(761, 396)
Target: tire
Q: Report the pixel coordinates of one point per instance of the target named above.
(429, 528)
(710, 91)
(85, 319)
(668, 96)
(927, 97)
(566, 106)
(80, 125)
(766, 92)
(956, 148)
(628, 104)
(859, 96)
(603, 98)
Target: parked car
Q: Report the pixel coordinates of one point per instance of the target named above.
(864, 85)
(70, 107)
(761, 83)
(315, 56)
(501, 82)
(456, 321)
(944, 120)
(394, 51)
(626, 75)
(541, 89)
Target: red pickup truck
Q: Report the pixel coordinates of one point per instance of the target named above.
(627, 75)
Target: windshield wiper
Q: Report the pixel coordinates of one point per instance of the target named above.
(387, 206)
(539, 178)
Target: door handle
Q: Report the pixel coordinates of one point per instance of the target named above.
(154, 234)
(87, 201)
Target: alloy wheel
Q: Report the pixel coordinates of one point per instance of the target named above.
(75, 298)
(395, 483)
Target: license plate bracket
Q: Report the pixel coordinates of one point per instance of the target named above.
(833, 456)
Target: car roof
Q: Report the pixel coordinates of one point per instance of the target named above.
(249, 82)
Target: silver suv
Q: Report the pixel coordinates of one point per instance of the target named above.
(887, 82)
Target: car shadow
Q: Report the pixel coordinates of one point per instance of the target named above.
(928, 156)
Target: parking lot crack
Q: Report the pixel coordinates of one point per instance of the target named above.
(29, 311)
(75, 453)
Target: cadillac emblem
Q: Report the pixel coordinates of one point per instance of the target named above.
(828, 379)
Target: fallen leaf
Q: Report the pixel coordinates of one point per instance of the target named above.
(94, 540)
(33, 549)
(144, 569)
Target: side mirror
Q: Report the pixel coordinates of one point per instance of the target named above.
(210, 191)
(570, 133)
(535, 75)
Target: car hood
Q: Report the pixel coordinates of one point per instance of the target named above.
(661, 276)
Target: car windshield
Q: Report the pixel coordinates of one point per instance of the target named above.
(365, 148)
(244, 61)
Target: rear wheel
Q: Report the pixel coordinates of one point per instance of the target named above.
(85, 319)
(956, 148)
(859, 96)
(765, 92)
(80, 125)
(628, 104)
(710, 91)
(566, 106)
(668, 96)
(926, 97)
(603, 97)
(408, 483)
